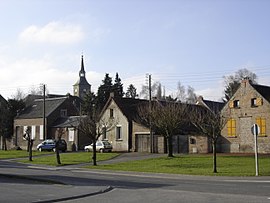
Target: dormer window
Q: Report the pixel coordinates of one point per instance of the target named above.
(63, 112)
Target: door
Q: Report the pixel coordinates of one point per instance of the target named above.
(142, 143)
(245, 135)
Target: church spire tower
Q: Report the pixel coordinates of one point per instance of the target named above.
(82, 71)
(81, 87)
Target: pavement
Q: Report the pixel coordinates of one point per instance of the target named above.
(72, 189)
(9, 178)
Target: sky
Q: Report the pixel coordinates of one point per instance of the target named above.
(195, 42)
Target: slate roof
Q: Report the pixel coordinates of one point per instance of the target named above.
(129, 106)
(36, 109)
(263, 90)
(71, 121)
(2, 99)
(214, 105)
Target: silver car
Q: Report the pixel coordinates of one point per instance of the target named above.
(101, 146)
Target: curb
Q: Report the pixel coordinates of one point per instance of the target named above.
(108, 189)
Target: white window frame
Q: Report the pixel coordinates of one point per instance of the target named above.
(71, 134)
(33, 132)
(118, 133)
(41, 136)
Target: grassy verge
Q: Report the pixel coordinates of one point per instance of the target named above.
(69, 158)
(195, 165)
(12, 154)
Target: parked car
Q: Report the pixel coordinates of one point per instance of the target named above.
(49, 145)
(101, 146)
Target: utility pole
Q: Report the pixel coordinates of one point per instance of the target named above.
(44, 113)
(150, 119)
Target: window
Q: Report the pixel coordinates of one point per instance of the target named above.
(236, 103)
(104, 133)
(71, 134)
(261, 122)
(118, 133)
(33, 132)
(253, 102)
(111, 113)
(231, 126)
(63, 112)
(41, 136)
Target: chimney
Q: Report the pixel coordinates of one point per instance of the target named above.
(112, 94)
(246, 81)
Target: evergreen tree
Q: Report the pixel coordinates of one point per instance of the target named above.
(131, 92)
(104, 91)
(118, 87)
(89, 103)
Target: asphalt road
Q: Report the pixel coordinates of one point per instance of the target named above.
(28, 183)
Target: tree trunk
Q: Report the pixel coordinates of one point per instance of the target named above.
(30, 149)
(5, 144)
(165, 145)
(28, 145)
(214, 145)
(94, 154)
(170, 146)
(57, 152)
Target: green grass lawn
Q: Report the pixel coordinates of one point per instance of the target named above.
(11, 154)
(195, 165)
(69, 158)
(227, 165)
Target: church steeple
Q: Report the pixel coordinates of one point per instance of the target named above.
(81, 87)
(82, 71)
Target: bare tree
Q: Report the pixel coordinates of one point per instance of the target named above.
(166, 118)
(38, 90)
(232, 82)
(186, 94)
(19, 95)
(60, 133)
(27, 136)
(93, 126)
(191, 96)
(154, 90)
(181, 92)
(209, 122)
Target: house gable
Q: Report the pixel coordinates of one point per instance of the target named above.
(249, 105)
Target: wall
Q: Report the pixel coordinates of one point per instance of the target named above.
(245, 116)
(19, 131)
(120, 145)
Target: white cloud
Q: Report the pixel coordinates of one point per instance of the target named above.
(53, 32)
(26, 74)
(214, 92)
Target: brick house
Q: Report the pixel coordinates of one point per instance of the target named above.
(32, 116)
(249, 105)
(61, 112)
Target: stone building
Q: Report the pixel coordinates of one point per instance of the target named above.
(249, 105)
